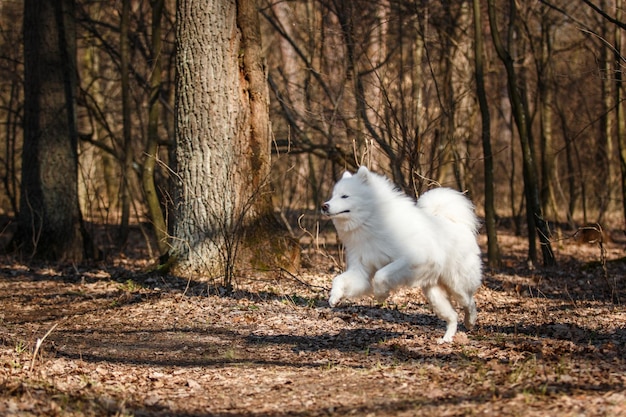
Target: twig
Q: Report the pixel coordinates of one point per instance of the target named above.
(605, 270)
(315, 239)
(38, 345)
(295, 278)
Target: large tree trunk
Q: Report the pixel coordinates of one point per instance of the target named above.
(222, 201)
(49, 221)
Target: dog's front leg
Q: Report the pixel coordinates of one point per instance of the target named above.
(392, 275)
(351, 284)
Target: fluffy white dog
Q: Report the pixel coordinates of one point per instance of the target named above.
(391, 241)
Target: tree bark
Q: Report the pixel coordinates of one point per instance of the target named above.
(49, 222)
(223, 214)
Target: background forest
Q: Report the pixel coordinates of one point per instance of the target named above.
(391, 84)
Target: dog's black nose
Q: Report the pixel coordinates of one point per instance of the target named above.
(325, 207)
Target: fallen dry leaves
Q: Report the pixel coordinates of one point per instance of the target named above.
(549, 342)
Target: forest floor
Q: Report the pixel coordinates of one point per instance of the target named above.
(113, 339)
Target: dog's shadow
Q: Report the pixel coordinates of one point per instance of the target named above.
(409, 315)
(346, 340)
(369, 326)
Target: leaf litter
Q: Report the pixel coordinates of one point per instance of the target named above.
(125, 342)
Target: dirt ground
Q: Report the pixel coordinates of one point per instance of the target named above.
(113, 339)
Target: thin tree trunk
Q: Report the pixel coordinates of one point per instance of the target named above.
(152, 147)
(546, 99)
(619, 94)
(11, 123)
(493, 252)
(418, 111)
(464, 106)
(445, 154)
(604, 176)
(531, 186)
(126, 123)
(571, 169)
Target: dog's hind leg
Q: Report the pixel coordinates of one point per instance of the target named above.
(438, 298)
(470, 313)
(466, 300)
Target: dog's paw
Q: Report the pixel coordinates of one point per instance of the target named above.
(334, 300)
(381, 292)
(380, 298)
(445, 339)
(448, 337)
(470, 316)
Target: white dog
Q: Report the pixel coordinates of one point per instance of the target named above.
(391, 241)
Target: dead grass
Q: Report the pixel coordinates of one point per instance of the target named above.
(128, 343)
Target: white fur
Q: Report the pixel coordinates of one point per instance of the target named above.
(391, 241)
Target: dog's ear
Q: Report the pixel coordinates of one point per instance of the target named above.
(363, 173)
(346, 175)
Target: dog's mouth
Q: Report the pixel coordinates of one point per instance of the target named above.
(329, 214)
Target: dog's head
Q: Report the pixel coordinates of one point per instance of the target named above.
(349, 201)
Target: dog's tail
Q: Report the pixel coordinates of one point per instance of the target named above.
(450, 204)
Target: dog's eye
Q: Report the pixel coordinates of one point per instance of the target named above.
(344, 196)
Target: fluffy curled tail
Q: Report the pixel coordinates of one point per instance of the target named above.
(450, 204)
